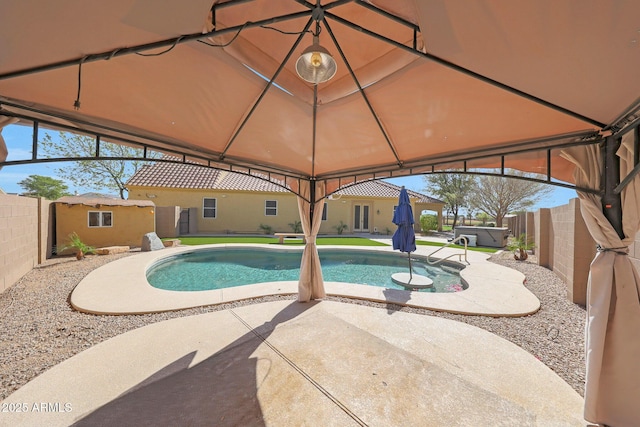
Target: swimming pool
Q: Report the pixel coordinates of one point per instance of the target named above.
(219, 268)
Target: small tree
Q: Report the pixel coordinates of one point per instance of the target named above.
(96, 174)
(44, 186)
(453, 189)
(498, 196)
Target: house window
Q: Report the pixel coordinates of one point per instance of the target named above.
(271, 207)
(209, 208)
(324, 212)
(100, 219)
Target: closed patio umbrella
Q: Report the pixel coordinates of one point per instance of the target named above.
(404, 239)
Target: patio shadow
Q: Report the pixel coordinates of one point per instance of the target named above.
(221, 390)
(396, 299)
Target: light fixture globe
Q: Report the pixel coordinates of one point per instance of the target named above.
(316, 65)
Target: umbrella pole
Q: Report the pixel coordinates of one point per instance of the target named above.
(410, 274)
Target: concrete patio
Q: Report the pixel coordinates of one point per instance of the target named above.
(289, 364)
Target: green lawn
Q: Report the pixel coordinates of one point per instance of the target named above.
(351, 241)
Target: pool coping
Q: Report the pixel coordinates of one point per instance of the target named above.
(120, 287)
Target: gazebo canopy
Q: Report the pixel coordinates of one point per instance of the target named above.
(420, 86)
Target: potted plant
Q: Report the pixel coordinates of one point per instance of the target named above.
(81, 248)
(519, 246)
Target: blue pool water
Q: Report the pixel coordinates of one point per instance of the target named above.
(219, 268)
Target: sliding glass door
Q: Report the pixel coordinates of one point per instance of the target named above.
(361, 218)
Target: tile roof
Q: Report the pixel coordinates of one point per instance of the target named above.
(184, 175)
(237, 181)
(174, 175)
(178, 175)
(383, 189)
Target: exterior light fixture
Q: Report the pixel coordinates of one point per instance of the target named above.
(316, 65)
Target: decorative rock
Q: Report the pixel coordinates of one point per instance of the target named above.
(151, 242)
(171, 243)
(110, 250)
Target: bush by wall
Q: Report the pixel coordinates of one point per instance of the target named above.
(428, 222)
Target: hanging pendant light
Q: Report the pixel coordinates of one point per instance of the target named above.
(316, 65)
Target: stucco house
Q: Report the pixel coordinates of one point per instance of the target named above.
(191, 199)
(101, 221)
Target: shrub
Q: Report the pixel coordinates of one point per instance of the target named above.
(340, 227)
(76, 243)
(428, 222)
(296, 226)
(267, 229)
(519, 246)
(484, 217)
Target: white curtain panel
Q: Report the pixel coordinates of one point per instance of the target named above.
(311, 283)
(612, 389)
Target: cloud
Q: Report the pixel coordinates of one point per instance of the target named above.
(9, 180)
(11, 175)
(18, 154)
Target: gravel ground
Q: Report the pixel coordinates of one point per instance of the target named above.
(40, 329)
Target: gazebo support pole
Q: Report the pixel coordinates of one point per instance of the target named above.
(312, 200)
(611, 202)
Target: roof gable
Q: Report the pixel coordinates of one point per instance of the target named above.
(379, 188)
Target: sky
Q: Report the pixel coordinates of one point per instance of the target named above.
(18, 141)
(19, 144)
(560, 196)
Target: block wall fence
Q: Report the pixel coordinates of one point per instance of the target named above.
(564, 245)
(25, 236)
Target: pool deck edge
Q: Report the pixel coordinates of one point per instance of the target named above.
(121, 287)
